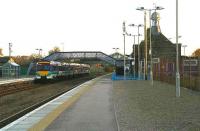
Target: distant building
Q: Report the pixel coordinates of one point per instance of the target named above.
(117, 56)
(120, 58)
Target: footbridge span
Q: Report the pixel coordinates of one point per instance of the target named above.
(94, 55)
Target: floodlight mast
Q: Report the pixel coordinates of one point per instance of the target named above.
(177, 56)
(124, 33)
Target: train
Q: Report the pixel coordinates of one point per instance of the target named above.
(54, 70)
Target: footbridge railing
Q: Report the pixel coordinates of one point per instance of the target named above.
(84, 55)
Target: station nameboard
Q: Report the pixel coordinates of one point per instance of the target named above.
(192, 62)
(156, 60)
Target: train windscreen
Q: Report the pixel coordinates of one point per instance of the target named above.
(43, 67)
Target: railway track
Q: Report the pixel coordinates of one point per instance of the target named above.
(35, 104)
(10, 88)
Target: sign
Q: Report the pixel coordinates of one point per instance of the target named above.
(156, 60)
(192, 62)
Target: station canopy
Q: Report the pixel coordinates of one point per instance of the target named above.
(57, 56)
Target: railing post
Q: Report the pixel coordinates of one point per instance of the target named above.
(198, 76)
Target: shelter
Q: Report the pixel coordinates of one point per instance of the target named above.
(8, 68)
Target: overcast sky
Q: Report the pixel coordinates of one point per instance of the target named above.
(88, 25)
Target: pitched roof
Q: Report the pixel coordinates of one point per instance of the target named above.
(4, 60)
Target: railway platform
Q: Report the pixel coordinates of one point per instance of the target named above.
(125, 105)
(14, 80)
(95, 102)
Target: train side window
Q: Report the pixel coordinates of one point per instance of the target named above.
(51, 68)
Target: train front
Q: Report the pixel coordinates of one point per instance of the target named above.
(43, 70)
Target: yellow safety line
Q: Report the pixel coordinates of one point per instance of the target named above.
(47, 120)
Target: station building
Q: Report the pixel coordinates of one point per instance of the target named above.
(163, 50)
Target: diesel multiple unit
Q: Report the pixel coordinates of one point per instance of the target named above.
(56, 70)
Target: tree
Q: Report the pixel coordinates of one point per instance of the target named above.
(55, 49)
(1, 54)
(26, 60)
(196, 52)
(35, 56)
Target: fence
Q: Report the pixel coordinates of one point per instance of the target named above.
(13, 73)
(165, 71)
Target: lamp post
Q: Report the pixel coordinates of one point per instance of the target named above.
(124, 33)
(184, 46)
(39, 51)
(151, 70)
(63, 46)
(116, 54)
(145, 42)
(10, 49)
(150, 51)
(139, 68)
(177, 56)
(133, 51)
(138, 26)
(116, 51)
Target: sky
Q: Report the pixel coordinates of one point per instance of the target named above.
(88, 25)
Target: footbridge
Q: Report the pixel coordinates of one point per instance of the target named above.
(97, 55)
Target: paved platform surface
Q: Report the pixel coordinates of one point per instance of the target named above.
(142, 107)
(93, 112)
